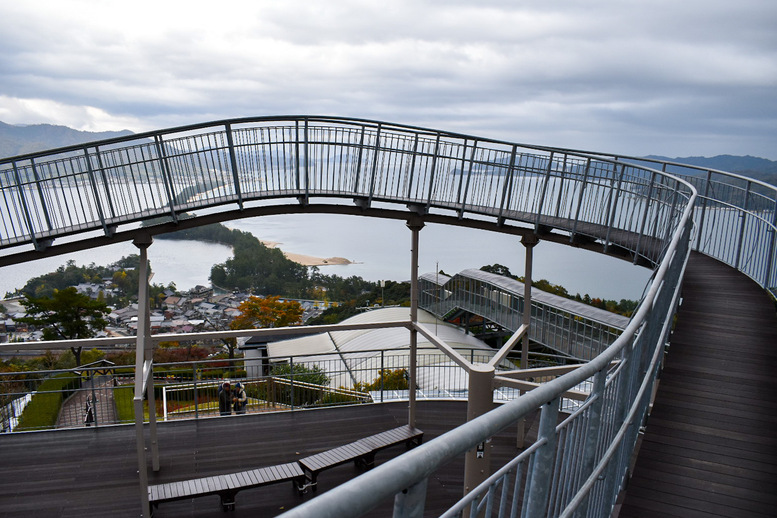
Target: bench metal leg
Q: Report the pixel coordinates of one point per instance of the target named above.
(227, 501)
(366, 461)
(300, 485)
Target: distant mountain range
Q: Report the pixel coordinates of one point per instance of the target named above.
(18, 140)
(753, 167)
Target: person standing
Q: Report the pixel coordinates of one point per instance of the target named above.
(89, 412)
(225, 399)
(240, 398)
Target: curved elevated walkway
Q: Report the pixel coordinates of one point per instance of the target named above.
(710, 447)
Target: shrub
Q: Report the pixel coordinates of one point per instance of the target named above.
(387, 380)
(123, 396)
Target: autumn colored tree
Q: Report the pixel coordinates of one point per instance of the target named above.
(258, 312)
(66, 315)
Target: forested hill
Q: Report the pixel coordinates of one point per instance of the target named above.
(18, 140)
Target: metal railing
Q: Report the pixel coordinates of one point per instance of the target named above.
(230, 167)
(189, 390)
(736, 217)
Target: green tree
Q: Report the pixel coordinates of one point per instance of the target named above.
(66, 315)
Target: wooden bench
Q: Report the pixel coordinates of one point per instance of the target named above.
(227, 486)
(362, 452)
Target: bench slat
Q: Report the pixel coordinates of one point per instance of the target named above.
(253, 480)
(279, 472)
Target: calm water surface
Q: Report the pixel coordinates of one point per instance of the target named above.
(380, 249)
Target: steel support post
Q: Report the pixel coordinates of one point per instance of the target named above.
(140, 443)
(415, 226)
(529, 241)
(141, 350)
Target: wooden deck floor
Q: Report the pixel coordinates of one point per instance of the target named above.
(710, 447)
(88, 472)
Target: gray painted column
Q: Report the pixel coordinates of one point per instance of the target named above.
(415, 225)
(143, 350)
(480, 399)
(529, 241)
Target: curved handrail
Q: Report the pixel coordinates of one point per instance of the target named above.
(753, 226)
(239, 165)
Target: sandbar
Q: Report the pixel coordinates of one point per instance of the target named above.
(309, 260)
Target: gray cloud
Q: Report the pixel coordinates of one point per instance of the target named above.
(661, 77)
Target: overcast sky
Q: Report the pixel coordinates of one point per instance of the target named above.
(666, 77)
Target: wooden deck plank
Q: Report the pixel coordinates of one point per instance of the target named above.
(710, 448)
(95, 472)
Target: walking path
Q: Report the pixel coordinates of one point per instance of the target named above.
(710, 447)
(73, 411)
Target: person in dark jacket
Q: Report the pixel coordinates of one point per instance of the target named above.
(240, 398)
(225, 399)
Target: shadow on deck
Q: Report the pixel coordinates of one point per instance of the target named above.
(710, 447)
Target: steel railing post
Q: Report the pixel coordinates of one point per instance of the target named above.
(541, 202)
(579, 207)
(557, 211)
(374, 168)
(432, 172)
(743, 216)
(410, 502)
(411, 174)
(613, 206)
(167, 177)
(540, 473)
(770, 255)
(506, 194)
(196, 402)
(707, 183)
(291, 380)
(233, 164)
(95, 190)
(645, 211)
(25, 208)
(593, 434)
(382, 359)
(40, 194)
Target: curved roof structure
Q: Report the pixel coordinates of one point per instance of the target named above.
(351, 356)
